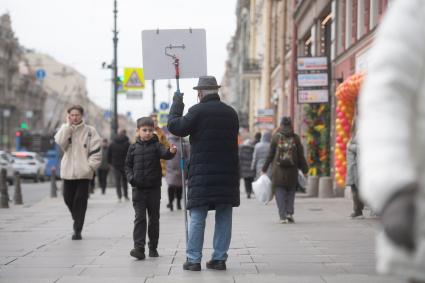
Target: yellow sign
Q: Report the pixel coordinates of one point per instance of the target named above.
(133, 79)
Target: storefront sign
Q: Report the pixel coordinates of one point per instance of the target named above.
(312, 63)
(312, 80)
(313, 96)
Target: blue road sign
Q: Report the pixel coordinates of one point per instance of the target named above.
(40, 74)
(164, 106)
(107, 114)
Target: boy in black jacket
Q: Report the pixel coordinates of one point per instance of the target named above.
(143, 169)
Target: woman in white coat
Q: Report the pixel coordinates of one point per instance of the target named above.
(392, 135)
(82, 154)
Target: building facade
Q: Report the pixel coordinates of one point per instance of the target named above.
(281, 32)
(21, 95)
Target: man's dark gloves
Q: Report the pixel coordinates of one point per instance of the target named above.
(178, 96)
(398, 218)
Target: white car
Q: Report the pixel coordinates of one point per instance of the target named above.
(6, 163)
(29, 165)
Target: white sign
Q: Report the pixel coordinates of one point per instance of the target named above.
(312, 63)
(313, 96)
(134, 94)
(265, 112)
(312, 80)
(188, 45)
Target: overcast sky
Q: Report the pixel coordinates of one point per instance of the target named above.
(79, 33)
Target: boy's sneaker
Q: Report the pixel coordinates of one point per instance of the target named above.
(290, 219)
(356, 214)
(138, 253)
(153, 253)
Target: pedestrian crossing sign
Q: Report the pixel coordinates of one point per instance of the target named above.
(133, 79)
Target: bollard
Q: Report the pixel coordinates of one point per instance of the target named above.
(4, 194)
(18, 192)
(313, 186)
(53, 187)
(326, 187)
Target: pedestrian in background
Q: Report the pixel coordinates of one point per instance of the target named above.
(162, 137)
(213, 169)
(392, 140)
(257, 138)
(116, 156)
(144, 173)
(81, 145)
(246, 151)
(352, 179)
(261, 151)
(174, 174)
(102, 171)
(286, 155)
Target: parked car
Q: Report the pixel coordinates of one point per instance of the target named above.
(6, 162)
(29, 165)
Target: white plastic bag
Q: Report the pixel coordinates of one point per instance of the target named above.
(263, 189)
(302, 181)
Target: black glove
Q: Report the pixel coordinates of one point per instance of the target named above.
(178, 93)
(398, 218)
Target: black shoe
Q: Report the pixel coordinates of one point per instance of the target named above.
(179, 205)
(138, 253)
(170, 206)
(192, 266)
(356, 214)
(153, 253)
(77, 236)
(216, 264)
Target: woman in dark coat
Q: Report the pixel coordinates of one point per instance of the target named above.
(286, 156)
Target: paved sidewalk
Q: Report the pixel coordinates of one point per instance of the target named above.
(323, 246)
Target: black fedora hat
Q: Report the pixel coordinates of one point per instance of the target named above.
(207, 82)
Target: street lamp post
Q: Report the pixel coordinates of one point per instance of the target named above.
(114, 120)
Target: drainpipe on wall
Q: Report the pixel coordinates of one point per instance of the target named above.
(293, 64)
(283, 63)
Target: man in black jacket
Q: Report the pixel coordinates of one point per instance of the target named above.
(116, 157)
(213, 169)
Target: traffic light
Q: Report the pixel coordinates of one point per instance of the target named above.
(24, 126)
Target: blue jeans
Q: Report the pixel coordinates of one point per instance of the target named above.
(222, 232)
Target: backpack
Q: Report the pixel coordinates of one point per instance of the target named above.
(286, 151)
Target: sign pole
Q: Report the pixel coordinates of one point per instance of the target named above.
(176, 64)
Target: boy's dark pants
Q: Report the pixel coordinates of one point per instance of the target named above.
(75, 194)
(146, 200)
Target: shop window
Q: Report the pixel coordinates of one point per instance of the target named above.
(382, 6)
(354, 21)
(343, 24)
(367, 16)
